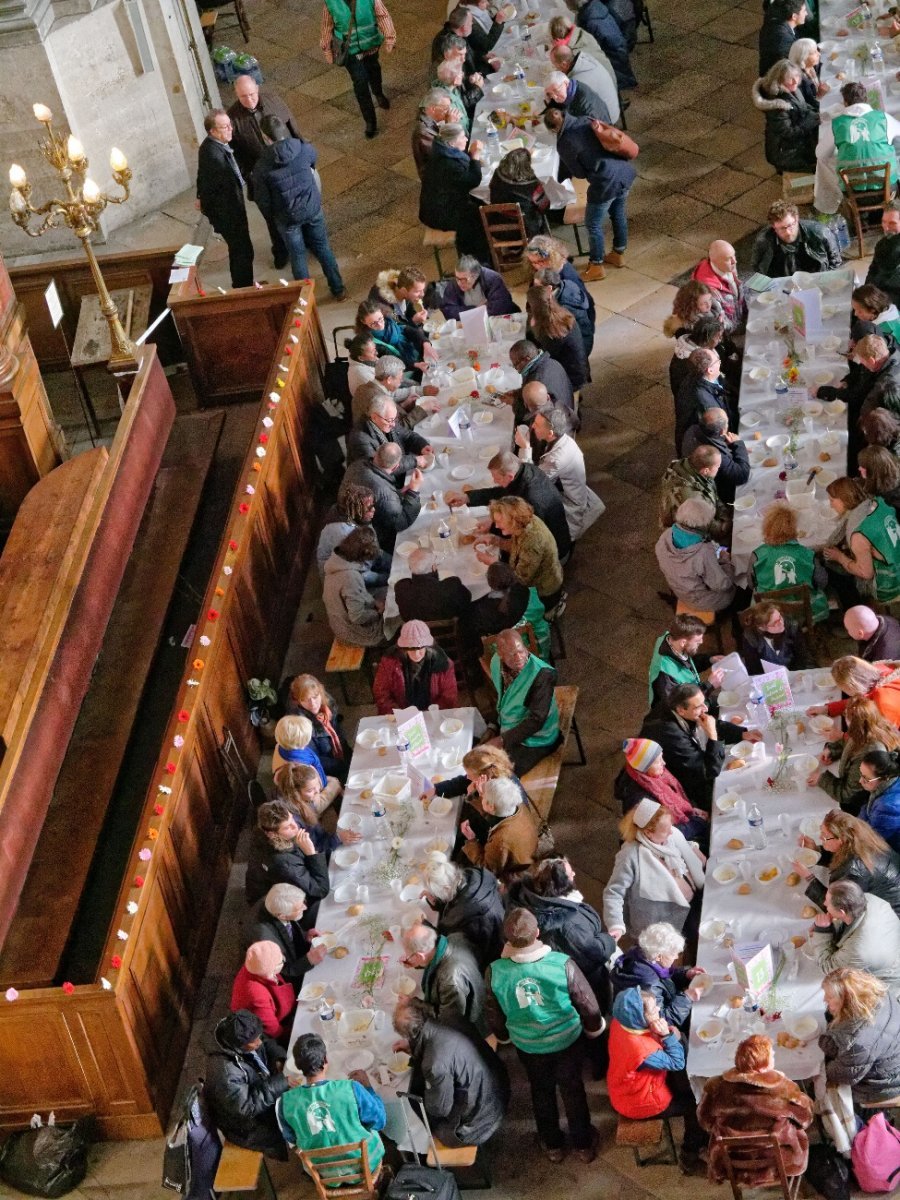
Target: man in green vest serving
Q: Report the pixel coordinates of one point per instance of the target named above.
(540, 1000)
(356, 29)
(675, 660)
(526, 704)
(860, 136)
(330, 1112)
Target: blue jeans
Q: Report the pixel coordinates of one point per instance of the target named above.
(312, 235)
(594, 216)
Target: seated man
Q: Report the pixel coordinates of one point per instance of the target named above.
(789, 244)
(378, 428)
(527, 711)
(877, 637)
(701, 388)
(563, 463)
(452, 983)
(508, 604)
(690, 478)
(464, 1083)
(279, 919)
(857, 930)
(387, 383)
(858, 136)
(884, 270)
(536, 366)
(243, 1083)
(473, 284)
(396, 504)
(325, 1112)
(425, 597)
(675, 661)
(574, 97)
(400, 294)
(719, 272)
(355, 506)
(734, 466)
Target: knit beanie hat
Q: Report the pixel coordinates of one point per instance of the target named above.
(264, 958)
(640, 753)
(415, 635)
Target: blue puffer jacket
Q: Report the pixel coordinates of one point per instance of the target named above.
(598, 21)
(883, 813)
(573, 295)
(582, 156)
(284, 186)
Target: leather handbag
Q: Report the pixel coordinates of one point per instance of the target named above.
(340, 47)
(615, 140)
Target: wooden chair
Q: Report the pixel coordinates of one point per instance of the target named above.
(468, 1159)
(750, 1151)
(351, 1160)
(541, 781)
(437, 240)
(796, 602)
(209, 15)
(712, 620)
(867, 189)
(639, 1135)
(446, 635)
(504, 229)
(573, 213)
(243, 1172)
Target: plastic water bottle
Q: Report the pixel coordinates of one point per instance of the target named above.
(327, 1022)
(443, 530)
(465, 423)
(378, 814)
(519, 72)
(757, 828)
(402, 739)
(877, 57)
(781, 391)
(493, 145)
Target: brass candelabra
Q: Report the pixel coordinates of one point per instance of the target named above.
(80, 211)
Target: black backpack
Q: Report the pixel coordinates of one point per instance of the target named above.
(193, 1148)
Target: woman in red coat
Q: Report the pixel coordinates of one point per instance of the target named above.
(260, 989)
(415, 672)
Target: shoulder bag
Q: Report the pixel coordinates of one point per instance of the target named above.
(340, 47)
(615, 140)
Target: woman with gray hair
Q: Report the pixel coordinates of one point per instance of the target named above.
(512, 837)
(650, 965)
(792, 125)
(698, 571)
(468, 901)
(805, 54)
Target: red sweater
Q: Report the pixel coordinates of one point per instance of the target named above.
(272, 1000)
(633, 1092)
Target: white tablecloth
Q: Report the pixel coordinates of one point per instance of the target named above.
(771, 913)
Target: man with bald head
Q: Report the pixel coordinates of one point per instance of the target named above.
(527, 712)
(711, 429)
(250, 106)
(719, 272)
(396, 504)
(594, 70)
(877, 637)
(425, 597)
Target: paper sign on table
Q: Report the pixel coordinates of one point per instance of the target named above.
(753, 967)
(474, 322)
(419, 781)
(734, 673)
(874, 92)
(454, 419)
(806, 311)
(855, 18)
(776, 688)
(796, 395)
(416, 732)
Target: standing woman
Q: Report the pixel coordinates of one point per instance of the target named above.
(556, 331)
(805, 55)
(362, 26)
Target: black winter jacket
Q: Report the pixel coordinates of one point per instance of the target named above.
(634, 969)
(365, 438)
(814, 250)
(696, 395)
(884, 270)
(395, 510)
(775, 41)
(597, 20)
(284, 186)
(883, 880)
(792, 130)
(695, 769)
(241, 1094)
(572, 927)
(477, 912)
(267, 866)
(865, 1055)
(735, 466)
(582, 157)
(462, 1080)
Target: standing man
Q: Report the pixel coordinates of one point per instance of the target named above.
(288, 194)
(884, 270)
(220, 195)
(363, 26)
(597, 75)
(574, 97)
(247, 141)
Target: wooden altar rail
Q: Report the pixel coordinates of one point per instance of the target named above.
(114, 1048)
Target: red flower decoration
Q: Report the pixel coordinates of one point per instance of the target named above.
(232, 545)
(201, 292)
(243, 508)
(271, 405)
(184, 715)
(296, 322)
(288, 350)
(68, 988)
(116, 961)
(198, 664)
(170, 768)
(263, 439)
(474, 395)
(159, 809)
(213, 614)
(257, 467)
(138, 882)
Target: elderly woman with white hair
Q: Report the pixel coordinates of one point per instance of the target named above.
(697, 570)
(650, 965)
(792, 125)
(805, 55)
(512, 837)
(293, 735)
(467, 901)
(283, 918)
(657, 876)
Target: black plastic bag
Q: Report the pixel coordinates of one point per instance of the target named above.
(828, 1173)
(48, 1161)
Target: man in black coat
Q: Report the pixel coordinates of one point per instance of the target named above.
(379, 428)
(700, 390)
(877, 637)
(468, 901)
(527, 481)
(884, 270)
(283, 918)
(779, 31)
(425, 597)
(536, 366)
(243, 1082)
(484, 35)
(575, 98)
(396, 504)
(788, 244)
(677, 726)
(451, 172)
(220, 195)
(462, 1080)
(712, 430)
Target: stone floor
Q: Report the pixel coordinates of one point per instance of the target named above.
(702, 174)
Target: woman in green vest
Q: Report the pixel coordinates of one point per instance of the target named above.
(880, 473)
(354, 31)
(873, 539)
(781, 562)
(870, 303)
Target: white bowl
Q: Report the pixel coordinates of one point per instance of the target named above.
(360, 779)
(835, 407)
(822, 725)
(757, 325)
(703, 983)
(440, 806)
(462, 472)
(345, 857)
(751, 419)
(797, 487)
(727, 801)
(801, 1025)
(766, 870)
(486, 453)
(813, 408)
(745, 503)
(760, 374)
(710, 1033)
(742, 750)
(411, 892)
(483, 417)
(824, 681)
(404, 985)
(437, 845)
(451, 727)
(351, 821)
(311, 992)
(804, 763)
(728, 698)
(344, 893)
(405, 549)
(725, 873)
(712, 929)
(778, 441)
(359, 1060)
(398, 1063)
(370, 738)
(805, 856)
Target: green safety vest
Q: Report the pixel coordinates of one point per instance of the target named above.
(534, 615)
(540, 1016)
(777, 567)
(863, 141)
(366, 35)
(891, 327)
(326, 1114)
(512, 706)
(881, 529)
(664, 664)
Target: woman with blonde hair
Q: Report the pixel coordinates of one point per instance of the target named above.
(872, 537)
(852, 849)
(657, 876)
(792, 125)
(481, 765)
(862, 1042)
(692, 300)
(293, 736)
(782, 562)
(529, 547)
(556, 331)
(855, 677)
(299, 787)
(867, 730)
(545, 251)
(307, 698)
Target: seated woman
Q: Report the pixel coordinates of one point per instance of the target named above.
(646, 1076)
(870, 303)
(354, 508)
(657, 875)
(879, 774)
(692, 301)
(467, 901)
(650, 966)
(282, 851)
(755, 1098)
(480, 765)
(880, 427)
(529, 547)
(861, 1043)
(404, 342)
(512, 839)
(782, 562)
(855, 677)
(851, 849)
(556, 331)
(645, 776)
(867, 730)
(514, 182)
(707, 333)
(698, 571)
(293, 738)
(260, 989)
(299, 787)
(880, 473)
(354, 614)
(507, 605)
(308, 698)
(415, 672)
(792, 125)
(805, 56)
(472, 285)
(872, 538)
(767, 635)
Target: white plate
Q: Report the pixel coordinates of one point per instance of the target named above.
(462, 472)
(751, 419)
(370, 738)
(360, 779)
(405, 549)
(359, 1060)
(451, 727)
(726, 873)
(345, 857)
(486, 453)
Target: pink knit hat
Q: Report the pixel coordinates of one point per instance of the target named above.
(264, 958)
(415, 635)
(641, 753)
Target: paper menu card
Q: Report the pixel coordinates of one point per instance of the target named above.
(776, 688)
(806, 311)
(411, 722)
(474, 322)
(753, 967)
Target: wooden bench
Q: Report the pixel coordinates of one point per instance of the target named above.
(541, 781)
(639, 1135)
(795, 192)
(343, 660)
(574, 212)
(437, 240)
(242, 1171)
(460, 1158)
